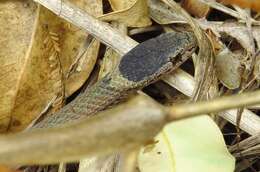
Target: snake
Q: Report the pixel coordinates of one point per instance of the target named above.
(146, 63)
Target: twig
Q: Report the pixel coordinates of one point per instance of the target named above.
(124, 127)
(100, 30)
(185, 83)
(215, 105)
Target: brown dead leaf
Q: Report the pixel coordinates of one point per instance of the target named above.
(252, 4)
(80, 51)
(53, 49)
(134, 16)
(4, 168)
(17, 20)
(228, 68)
(196, 8)
(41, 78)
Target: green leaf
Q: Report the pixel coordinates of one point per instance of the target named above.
(194, 144)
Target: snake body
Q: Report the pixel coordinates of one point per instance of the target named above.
(144, 64)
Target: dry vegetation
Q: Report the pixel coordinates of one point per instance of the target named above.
(51, 51)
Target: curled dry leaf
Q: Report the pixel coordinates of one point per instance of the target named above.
(196, 8)
(235, 30)
(134, 16)
(228, 68)
(17, 20)
(53, 48)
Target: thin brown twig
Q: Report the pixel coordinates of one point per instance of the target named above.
(216, 105)
(142, 117)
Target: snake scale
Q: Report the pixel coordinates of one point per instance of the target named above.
(144, 64)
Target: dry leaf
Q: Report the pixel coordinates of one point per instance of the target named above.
(52, 51)
(134, 16)
(81, 54)
(190, 145)
(17, 20)
(253, 4)
(228, 68)
(235, 30)
(196, 8)
(7, 169)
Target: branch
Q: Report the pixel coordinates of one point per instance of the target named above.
(124, 127)
(185, 83)
(100, 30)
(216, 105)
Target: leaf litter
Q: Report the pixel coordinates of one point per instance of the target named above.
(55, 59)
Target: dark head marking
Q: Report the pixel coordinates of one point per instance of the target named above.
(149, 57)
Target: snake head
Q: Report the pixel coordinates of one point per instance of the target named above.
(151, 59)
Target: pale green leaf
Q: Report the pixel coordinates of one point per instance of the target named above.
(195, 144)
